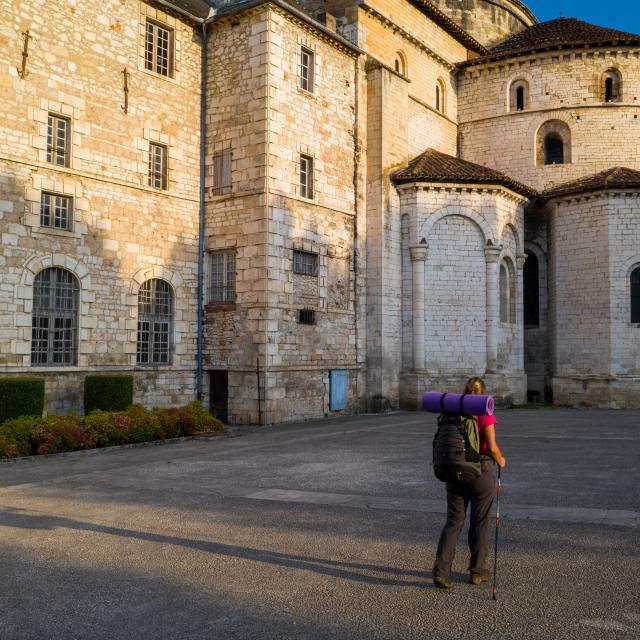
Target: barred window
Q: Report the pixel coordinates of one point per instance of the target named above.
(56, 211)
(306, 176)
(54, 324)
(307, 71)
(157, 166)
(223, 276)
(305, 262)
(58, 140)
(155, 319)
(159, 49)
(222, 172)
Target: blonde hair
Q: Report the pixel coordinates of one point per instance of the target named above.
(475, 386)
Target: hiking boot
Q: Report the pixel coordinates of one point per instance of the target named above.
(478, 577)
(443, 583)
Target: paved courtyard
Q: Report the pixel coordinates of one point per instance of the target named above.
(322, 530)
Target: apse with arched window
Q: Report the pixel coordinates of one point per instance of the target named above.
(612, 85)
(155, 320)
(635, 295)
(54, 324)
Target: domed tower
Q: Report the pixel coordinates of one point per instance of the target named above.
(488, 21)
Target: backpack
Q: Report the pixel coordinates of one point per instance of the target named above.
(456, 449)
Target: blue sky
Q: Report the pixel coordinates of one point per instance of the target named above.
(617, 14)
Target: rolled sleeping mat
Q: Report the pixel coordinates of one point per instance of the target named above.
(457, 403)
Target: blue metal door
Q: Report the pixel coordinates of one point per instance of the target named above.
(339, 385)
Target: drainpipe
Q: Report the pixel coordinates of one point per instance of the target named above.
(201, 221)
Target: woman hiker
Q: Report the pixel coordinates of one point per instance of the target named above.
(479, 493)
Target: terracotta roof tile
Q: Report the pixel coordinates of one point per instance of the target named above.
(611, 179)
(433, 166)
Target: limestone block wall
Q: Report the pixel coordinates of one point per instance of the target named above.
(120, 234)
(563, 86)
(452, 240)
(488, 21)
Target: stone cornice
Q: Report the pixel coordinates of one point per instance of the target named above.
(406, 35)
(461, 188)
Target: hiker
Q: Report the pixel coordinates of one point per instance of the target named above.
(479, 492)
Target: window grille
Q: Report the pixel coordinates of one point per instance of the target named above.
(159, 49)
(157, 166)
(56, 211)
(155, 320)
(307, 71)
(222, 172)
(305, 263)
(223, 276)
(306, 176)
(306, 316)
(54, 325)
(58, 140)
(635, 295)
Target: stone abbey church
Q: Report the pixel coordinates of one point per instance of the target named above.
(302, 208)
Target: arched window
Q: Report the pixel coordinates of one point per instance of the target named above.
(504, 293)
(553, 149)
(440, 96)
(635, 295)
(155, 320)
(553, 143)
(612, 85)
(531, 291)
(519, 95)
(54, 324)
(400, 63)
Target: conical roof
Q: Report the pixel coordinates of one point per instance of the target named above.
(434, 166)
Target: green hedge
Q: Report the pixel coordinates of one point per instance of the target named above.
(21, 396)
(107, 393)
(30, 435)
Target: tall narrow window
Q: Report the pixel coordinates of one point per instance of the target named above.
(223, 276)
(608, 90)
(612, 85)
(159, 49)
(635, 295)
(307, 71)
(518, 95)
(155, 319)
(553, 149)
(531, 292)
(520, 98)
(305, 263)
(504, 293)
(306, 176)
(56, 211)
(437, 98)
(157, 166)
(54, 324)
(58, 140)
(222, 172)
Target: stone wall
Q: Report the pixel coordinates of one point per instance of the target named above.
(562, 86)
(121, 235)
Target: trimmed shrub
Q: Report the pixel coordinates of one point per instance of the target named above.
(107, 393)
(21, 396)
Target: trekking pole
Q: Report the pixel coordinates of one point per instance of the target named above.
(495, 554)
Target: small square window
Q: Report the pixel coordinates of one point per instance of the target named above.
(222, 172)
(306, 176)
(307, 70)
(306, 316)
(58, 140)
(305, 263)
(159, 49)
(157, 166)
(223, 276)
(56, 211)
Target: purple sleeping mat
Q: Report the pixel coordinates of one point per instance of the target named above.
(457, 403)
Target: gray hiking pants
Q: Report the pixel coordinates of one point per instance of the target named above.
(480, 494)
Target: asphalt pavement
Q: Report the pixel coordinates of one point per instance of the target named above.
(322, 530)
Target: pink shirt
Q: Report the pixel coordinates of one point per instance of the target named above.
(483, 423)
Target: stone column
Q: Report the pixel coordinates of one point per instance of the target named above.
(418, 257)
(520, 260)
(492, 257)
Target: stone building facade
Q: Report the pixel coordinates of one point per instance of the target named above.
(299, 210)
